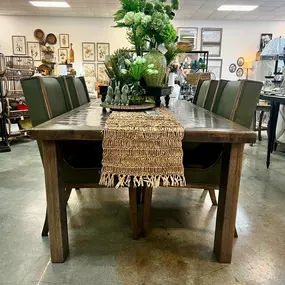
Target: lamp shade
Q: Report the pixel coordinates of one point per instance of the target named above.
(274, 48)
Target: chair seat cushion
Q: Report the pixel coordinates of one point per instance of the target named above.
(202, 156)
(82, 154)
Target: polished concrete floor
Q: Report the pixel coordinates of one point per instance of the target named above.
(178, 250)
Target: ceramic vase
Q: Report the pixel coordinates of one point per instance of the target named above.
(158, 59)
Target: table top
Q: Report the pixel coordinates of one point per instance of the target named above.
(271, 97)
(87, 123)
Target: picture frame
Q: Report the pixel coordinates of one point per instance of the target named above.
(211, 40)
(188, 35)
(89, 70)
(101, 74)
(88, 51)
(264, 40)
(64, 40)
(215, 66)
(62, 55)
(19, 45)
(103, 50)
(34, 50)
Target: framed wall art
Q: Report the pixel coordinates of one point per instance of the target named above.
(215, 66)
(64, 40)
(19, 45)
(188, 35)
(88, 51)
(89, 69)
(211, 40)
(103, 50)
(101, 73)
(34, 50)
(62, 55)
(264, 40)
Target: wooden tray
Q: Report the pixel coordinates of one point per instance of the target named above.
(130, 108)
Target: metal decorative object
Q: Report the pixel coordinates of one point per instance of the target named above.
(232, 68)
(143, 107)
(240, 61)
(239, 72)
(2, 64)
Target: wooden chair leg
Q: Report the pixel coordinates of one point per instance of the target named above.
(236, 234)
(139, 195)
(134, 212)
(46, 227)
(213, 197)
(146, 210)
(67, 193)
(260, 125)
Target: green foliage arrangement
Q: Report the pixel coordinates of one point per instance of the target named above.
(147, 22)
(116, 63)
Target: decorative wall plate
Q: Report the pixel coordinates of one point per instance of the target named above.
(233, 68)
(51, 39)
(45, 68)
(39, 35)
(239, 72)
(240, 61)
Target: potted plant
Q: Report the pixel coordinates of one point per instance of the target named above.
(149, 28)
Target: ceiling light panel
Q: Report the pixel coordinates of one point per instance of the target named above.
(50, 4)
(237, 8)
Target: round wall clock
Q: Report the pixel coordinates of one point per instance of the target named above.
(240, 72)
(240, 61)
(233, 68)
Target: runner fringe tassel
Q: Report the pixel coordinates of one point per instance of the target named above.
(141, 149)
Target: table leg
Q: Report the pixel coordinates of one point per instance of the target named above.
(272, 129)
(146, 210)
(56, 202)
(228, 199)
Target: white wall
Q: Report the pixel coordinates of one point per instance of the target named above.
(240, 38)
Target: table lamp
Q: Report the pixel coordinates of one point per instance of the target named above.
(274, 49)
(247, 65)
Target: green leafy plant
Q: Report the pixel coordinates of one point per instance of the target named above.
(138, 68)
(116, 62)
(147, 22)
(172, 51)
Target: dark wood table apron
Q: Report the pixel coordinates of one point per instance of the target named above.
(275, 107)
(87, 123)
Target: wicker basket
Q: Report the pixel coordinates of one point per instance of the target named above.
(193, 78)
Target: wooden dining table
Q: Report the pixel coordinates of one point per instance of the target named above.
(87, 123)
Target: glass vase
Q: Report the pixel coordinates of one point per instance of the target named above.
(156, 58)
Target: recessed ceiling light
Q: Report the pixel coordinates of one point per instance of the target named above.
(237, 8)
(50, 4)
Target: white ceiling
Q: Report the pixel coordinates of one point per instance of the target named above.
(189, 9)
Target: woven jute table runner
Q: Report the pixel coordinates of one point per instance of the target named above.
(143, 149)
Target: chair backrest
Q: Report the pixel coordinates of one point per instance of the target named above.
(237, 101)
(228, 99)
(77, 90)
(211, 94)
(219, 90)
(203, 92)
(246, 104)
(65, 90)
(44, 97)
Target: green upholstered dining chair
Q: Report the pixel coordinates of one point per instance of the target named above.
(81, 164)
(77, 90)
(203, 162)
(205, 94)
(65, 90)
